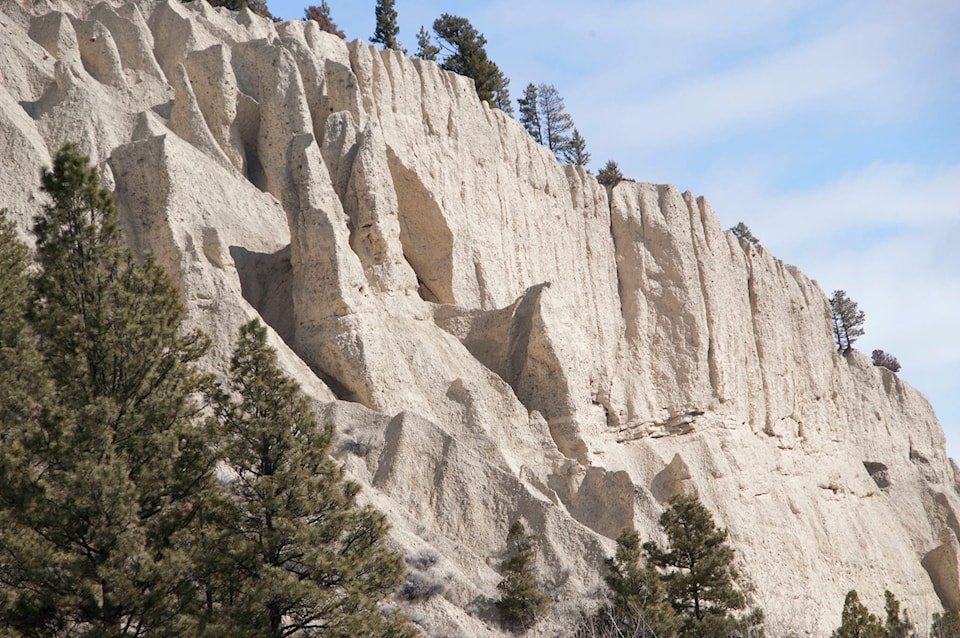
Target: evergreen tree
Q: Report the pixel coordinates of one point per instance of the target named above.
(856, 621)
(529, 116)
(700, 576)
(848, 320)
(945, 625)
(897, 625)
(742, 231)
(467, 56)
(308, 560)
(554, 119)
(426, 50)
(610, 174)
(321, 15)
(257, 6)
(387, 29)
(638, 598)
(521, 604)
(576, 150)
(101, 479)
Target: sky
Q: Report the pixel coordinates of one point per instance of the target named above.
(831, 128)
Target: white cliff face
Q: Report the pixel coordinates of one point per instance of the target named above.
(495, 335)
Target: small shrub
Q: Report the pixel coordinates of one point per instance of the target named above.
(885, 360)
(420, 586)
(424, 559)
(610, 174)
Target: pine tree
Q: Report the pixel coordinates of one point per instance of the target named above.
(699, 578)
(467, 56)
(896, 625)
(321, 15)
(610, 174)
(742, 231)
(521, 604)
(638, 596)
(308, 559)
(426, 49)
(856, 621)
(529, 116)
(100, 482)
(848, 321)
(554, 119)
(257, 6)
(387, 29)
(945, 625)
(576, 150)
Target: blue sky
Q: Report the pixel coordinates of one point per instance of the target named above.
(832, 129)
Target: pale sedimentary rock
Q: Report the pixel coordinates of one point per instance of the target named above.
(494, 334)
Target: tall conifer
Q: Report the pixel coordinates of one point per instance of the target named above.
(387, 29)
(111, 466)
(307, 558)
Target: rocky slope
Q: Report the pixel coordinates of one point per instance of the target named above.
(494, 334)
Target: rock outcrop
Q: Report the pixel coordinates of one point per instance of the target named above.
(495, 335)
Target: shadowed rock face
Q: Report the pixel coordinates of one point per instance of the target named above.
(495, 335)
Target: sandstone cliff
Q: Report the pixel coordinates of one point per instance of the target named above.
(494, 334)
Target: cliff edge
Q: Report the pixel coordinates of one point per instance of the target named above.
(495, 335)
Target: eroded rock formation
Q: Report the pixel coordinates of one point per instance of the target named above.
(494, 334)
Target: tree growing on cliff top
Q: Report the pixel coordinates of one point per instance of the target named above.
(387, 29)
(610, 174)
(530, 114)
(742, 231)
(885, 360)
(321, 15)
(426, 49)
(307, 558)
(554, 120)
(103, 469)
(848, 321)
(521, 604)
(576, 150)
(466, 55)
(257, 6)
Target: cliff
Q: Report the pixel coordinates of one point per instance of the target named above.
(495, 335)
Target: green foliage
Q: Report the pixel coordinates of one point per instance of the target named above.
(321, 15)
(610, 174)
(698, 570)
(387, 29)
(848, 320)
(308, 559)
(426, 49)
(576, 150)
(945, 625)
(554, 120)
(543, 116)
(742, 231)
(529, 113)
(897, 625)
(521, 604)
(638, 597)
(257, 6)
(467, 56)
(856, 621)
(104, 464)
